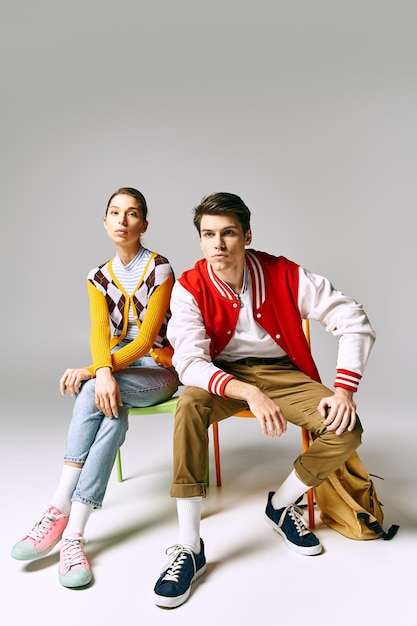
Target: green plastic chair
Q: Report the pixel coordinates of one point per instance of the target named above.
(169, 406)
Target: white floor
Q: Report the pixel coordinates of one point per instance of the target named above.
(251, 575)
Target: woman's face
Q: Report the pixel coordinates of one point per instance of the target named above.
(124, 221)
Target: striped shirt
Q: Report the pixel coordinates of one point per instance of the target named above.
(129, 276)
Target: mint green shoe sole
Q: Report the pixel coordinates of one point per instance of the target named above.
(77, 578)
(23, 551)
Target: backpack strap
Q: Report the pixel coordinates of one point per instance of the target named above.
(377, 528)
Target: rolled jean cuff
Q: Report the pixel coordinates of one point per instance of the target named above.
(180, 490)
(92, 503)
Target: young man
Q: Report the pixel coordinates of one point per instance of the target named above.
(236, 329)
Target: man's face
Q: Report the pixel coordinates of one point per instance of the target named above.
(223, 242)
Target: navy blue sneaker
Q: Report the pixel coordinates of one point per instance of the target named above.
(289, 523)
(173, 587)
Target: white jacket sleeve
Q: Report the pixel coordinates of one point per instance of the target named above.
(188, 336)
(340, 315)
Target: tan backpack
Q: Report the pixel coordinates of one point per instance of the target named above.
(348, 503)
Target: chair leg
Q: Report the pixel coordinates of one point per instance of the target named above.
(310, 492)
(217, 453)
(119, 466)
(310, 506)
(208, 468)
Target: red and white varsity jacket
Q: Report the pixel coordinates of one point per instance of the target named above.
(205, 311)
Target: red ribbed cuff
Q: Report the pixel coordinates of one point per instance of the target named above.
(218, 382)
(347, 379)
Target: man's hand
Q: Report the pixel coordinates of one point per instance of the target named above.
(108, 397)
(339, 411)
(72, 379)
(269, 415)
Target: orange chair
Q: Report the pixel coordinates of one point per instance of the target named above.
(305, 444)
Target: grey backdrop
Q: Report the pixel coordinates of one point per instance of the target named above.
(307, 109)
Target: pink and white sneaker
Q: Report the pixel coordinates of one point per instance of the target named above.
(74, 569)
(43, 537)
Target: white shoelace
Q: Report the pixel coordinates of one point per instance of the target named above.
(42, 528)
(178, 555)
(73, 551)
(296, 515)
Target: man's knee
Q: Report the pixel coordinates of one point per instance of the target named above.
(194, 407)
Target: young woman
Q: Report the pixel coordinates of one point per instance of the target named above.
(131, 366)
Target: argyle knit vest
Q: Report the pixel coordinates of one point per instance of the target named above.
(156, 272)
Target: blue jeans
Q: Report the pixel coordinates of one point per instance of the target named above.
(93, 438)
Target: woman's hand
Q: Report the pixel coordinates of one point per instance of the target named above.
(72, 379)
(108, 397)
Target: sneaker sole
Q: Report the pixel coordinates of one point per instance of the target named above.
(305, 550)
(21, 553)
(171, 602)
(82, 580)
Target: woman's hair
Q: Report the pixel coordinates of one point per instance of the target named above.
(222, 204)
(137, 195)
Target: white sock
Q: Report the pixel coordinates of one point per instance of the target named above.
(79, 516)
(63, 494)
(189, 517)
(291, 489)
